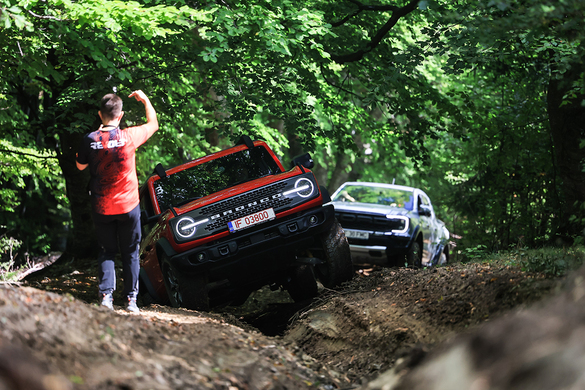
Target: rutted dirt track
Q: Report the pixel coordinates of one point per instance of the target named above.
(343, 339)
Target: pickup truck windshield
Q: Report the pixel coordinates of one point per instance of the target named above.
(376, 195)
(213, 176)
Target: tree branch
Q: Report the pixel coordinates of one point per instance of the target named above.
(361, 7)
(44, 16)
(340, 88)
(27, 154)
(397, 13)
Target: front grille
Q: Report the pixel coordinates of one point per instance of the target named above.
(247, 200)
(367, 222)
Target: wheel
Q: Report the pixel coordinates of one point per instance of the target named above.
(414, 255)
(302, 285)
(337, 267)
(185, 290)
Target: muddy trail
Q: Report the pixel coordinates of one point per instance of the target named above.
(52, 326)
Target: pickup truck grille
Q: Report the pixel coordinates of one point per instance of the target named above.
(262, 197)
(366, 222)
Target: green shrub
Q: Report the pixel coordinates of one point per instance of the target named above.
(552, 261)
(8, 249)
(475, 253)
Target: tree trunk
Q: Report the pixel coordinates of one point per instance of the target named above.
(81, 242)
(567, 124)
(339, 175)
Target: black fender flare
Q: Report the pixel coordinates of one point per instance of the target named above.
(415, 235)
(163, 246)
(325, 194)
(148, 285)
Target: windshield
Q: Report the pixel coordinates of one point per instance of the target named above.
(376, 195)
(215, 175)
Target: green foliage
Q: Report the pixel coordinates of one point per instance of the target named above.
(546, 261)
(8, 248)
(452, 99)
(60, 58)
(475, 253)
(34, 207)
(506, 189)
(552, 261)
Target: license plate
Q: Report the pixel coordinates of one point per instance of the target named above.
(251, 220)
(356, 234)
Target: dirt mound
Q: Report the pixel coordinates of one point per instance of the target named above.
(342, 339)
(540, 349)
(378, 318)
(163, 348)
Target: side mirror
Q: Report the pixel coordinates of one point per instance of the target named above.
(160, 171)
(246, 140)
(145, 219)
(304, 160)
(425, 210)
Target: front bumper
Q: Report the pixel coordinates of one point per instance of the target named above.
(362, 254)
(258, 252)
(378, 247)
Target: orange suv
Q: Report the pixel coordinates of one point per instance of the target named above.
(221, 226)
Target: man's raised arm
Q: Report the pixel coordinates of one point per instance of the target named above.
(151, 124)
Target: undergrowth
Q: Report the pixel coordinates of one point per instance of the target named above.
(8, 248)
(12, 270)
(548, 261)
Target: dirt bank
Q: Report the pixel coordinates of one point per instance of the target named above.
(342, 339)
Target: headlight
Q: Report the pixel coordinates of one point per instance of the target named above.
(187, 226)
(303, 187)
(399, 224)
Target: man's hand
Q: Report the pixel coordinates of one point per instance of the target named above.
(139, 95)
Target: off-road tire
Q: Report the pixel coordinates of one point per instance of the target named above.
(414, 255)
(188, 291)
(302, 285)
(337, 267)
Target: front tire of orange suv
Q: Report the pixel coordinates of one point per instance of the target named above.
(188, 291)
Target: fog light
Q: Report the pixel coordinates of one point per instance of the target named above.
(201, 256)
(313, 219)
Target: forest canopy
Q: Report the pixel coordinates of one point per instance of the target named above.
(480, 103)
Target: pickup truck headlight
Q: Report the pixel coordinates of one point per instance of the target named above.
(399, 223)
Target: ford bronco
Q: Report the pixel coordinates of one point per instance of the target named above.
(219, 227)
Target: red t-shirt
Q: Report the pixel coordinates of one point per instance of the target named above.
(110, 154)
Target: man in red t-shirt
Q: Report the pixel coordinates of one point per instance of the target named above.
(110, 154)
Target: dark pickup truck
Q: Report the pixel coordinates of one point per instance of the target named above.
(219, 227)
